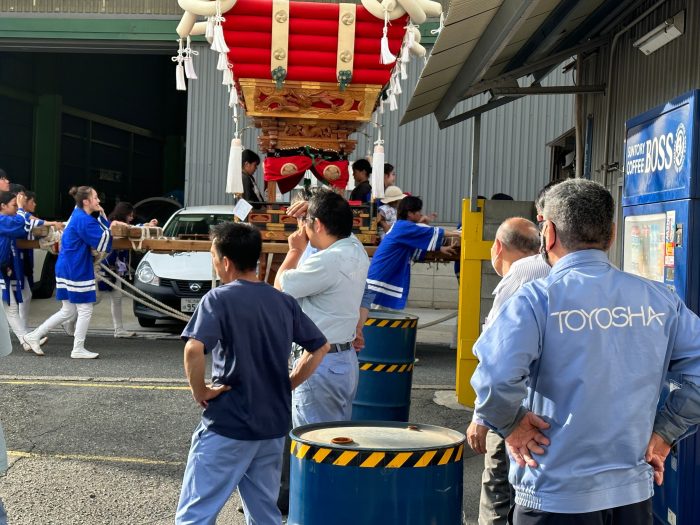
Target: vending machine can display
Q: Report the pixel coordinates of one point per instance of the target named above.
(661, 241)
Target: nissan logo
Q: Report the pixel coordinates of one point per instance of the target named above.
(195, 287)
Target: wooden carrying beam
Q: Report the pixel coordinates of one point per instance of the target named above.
(180, 245)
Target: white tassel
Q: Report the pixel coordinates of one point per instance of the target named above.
(189, 69)
(233, 97)
(222, 64)
(189, 62)
(410, 38)
(381, 106)
(405, 53)
(234, 181)
(179, 69)
(404, 73)
(378, 171)
(180, 78)
(396, 85)
(393, 105)
(387, 57)
(209, 33)
(228, 78)
(219, 43)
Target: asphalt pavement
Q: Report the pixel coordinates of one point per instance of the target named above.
(105, 441)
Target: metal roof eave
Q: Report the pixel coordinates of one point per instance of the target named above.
(540, 43)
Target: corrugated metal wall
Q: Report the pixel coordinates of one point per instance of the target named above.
(209, 133)
(431, 163)
(641, 82)
(514, 159)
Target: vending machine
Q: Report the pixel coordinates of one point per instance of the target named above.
(661, 241)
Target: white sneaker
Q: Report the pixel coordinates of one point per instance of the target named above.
(120, 332)
(82, 353)
(69, 328)
(33, 342)
(28, 348)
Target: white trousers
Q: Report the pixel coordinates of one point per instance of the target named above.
(67, 312)
(14, 310)
(115, 296)
(24, 306)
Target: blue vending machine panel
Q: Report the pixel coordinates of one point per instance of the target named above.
(658, 244)
(661, 153)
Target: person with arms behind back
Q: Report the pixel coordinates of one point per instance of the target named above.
(248, 328)
(574, 364)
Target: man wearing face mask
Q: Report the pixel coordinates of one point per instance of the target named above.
(575, 362)
(515, 257)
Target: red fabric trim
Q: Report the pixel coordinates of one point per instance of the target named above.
(341, 165)
(285, 171)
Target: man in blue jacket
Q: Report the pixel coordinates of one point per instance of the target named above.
(571, 371)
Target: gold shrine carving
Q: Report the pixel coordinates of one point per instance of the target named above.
(309, 100)
(299, 133)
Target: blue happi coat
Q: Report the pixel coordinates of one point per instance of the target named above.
(26, 256)
(12, 227)
(75, 273)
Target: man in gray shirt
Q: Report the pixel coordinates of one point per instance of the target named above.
(328, 285)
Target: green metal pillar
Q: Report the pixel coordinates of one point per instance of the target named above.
(47, 152)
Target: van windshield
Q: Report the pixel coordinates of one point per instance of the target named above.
(194, 226)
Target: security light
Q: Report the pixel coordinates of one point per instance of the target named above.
(662, 35)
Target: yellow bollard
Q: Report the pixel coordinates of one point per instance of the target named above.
(474, 251)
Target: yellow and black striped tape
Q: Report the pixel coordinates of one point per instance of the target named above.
(386, 367)
(374, 459)
(388, 323)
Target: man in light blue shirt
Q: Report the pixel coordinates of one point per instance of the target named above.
(328, 285)
(571, 371)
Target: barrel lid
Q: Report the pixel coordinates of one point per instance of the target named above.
(377, 435)
(392, 316)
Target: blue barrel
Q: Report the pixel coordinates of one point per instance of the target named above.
(375, 473)
(386, 368)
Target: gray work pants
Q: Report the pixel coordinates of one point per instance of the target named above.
(496, 493)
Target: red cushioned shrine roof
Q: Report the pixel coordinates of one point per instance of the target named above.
(313, 42)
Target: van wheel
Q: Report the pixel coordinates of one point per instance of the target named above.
(44, 288)
(147, 322)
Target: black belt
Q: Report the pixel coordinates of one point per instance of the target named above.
(339, 347)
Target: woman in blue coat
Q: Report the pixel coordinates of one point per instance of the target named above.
(12, 227)
(75, 272)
